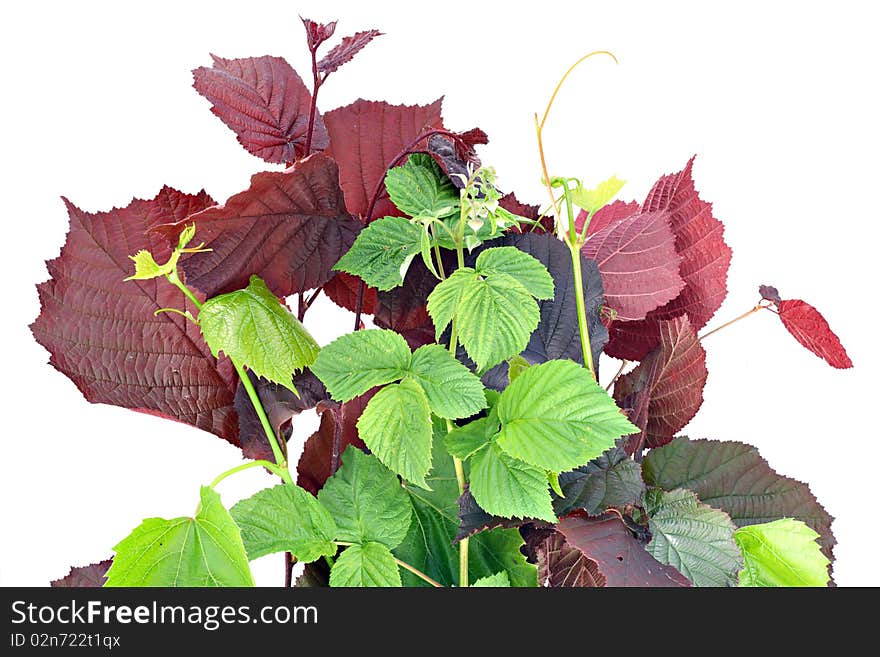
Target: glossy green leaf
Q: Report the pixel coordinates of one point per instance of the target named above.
(507, 487)
(528, 271)
(453, 391)
(252, 327)
(396, 426)
(206, 550)
(593, 200)
(693, 538)
(356, 362)
(781, 553)
(285, 518)
(366, 501)
(370, 564)
(556, 417)
(421, 189)
(382, 252)
(498, 580)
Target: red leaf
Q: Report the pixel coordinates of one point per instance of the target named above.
(91, 576)
(338, 422)
(101, 331)
(343, 291)
(317, 33)
(672, 378)
(769, 293)
(289, 228)
(510, 203)
(265, 103)
(560, 565)
(350, 46)
(612, 213)
(699, 240)
(364, 139)
(620, 558)
(809, 328)
(638, 263)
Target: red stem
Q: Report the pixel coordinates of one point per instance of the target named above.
(316, 86)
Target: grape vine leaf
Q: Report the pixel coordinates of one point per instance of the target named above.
(367, 564)
(254, 329)
(671, 378)
(699, 240)
(285, 518)
(781, 553)
(507, 487)
(156, 364)
(811, 329)
(289, 228)
(556, 417)
(732, 477)
(619, 557)
(92, 576)
(356, 362)
(396, 427)
(344, 51)
(320, 456)
(419, 188)
(206, 550)
(592, 200)
(693, 538)
(265, 103)
(638, 262)
(610, 480)
(382, 252)
(366, 501)
(498, 580)
(611, 214)
(365, 137)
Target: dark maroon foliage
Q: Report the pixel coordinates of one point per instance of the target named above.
(810, 328)
(265, 102)
(350, 46)
(91, 576)
(317, 33)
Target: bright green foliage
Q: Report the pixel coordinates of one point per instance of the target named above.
(452, 390)
(516, 366)
(203, 551)
(507, 487)
(146, 267)
(252, 327)
(498, 580)
(443, 300)
(781, 553)
(285, 518)
(396, 426)
(383, 251)
(370, 564)
(366, 501)
(495, 318)
(593, 200)
(527, 270)
(421, 189)
(356, 362)
(693, 538)
(464, 441)
(556, 417)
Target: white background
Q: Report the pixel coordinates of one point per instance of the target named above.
(778, 99)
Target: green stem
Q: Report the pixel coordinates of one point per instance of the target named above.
(575, 251)
(174, 279)
(274, 469)
(415, 571)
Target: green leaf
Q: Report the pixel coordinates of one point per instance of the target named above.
(556, 417)
(421, 189)
(146, 267)
(495, 317)
(498, 580)
(252, 327)
(528, 271)
(356, 362)
(781, 553)
(451, 388)
(693, 538)
(366, 501)
(464, 441)
(203, 551)
(507, 487)
(382, 252)
(444, 298)
(553, 479)
(396, 426)
(370, 564)
(285, 518)
(593, 200)
(516, 366)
